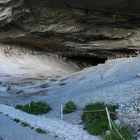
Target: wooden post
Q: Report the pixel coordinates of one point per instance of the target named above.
(109, 119)
(61, 112)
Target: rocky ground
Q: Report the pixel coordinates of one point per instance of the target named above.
(129, 113)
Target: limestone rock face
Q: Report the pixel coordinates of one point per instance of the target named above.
(73, 28)
(10, 10)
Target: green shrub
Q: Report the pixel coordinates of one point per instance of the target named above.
(35, 108)
(16, 120)
(69, 107)
(39, 130)
(113, 135)
(24, 124)
(96, 122)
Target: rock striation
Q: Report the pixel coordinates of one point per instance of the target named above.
(78, 29)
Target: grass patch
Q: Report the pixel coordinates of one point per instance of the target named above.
(16, 120)
(24, 124)
(124, 131)
(39, 130)
(35, 108)
(96, 123)
(69, 107)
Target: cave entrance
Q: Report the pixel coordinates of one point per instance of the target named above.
(85, 61)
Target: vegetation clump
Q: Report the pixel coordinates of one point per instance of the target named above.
(69, 107)
(96, 122)
(16, 120)
(123, 130)
(35, 108)
(39, 130)
(24, 124)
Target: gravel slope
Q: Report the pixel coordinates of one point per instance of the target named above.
(116, 81)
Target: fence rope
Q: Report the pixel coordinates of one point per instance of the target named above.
(100, 110)
(124, 114)
(117, 130)
(86, 111)
(38, 105)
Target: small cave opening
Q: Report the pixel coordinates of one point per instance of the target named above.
(85, 61)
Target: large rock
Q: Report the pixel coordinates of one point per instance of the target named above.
(73, 28)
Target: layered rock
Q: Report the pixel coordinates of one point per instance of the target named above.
(73, 28)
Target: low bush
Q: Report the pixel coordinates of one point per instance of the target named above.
(24, 124)
(35, 108)
(69, 107)
(39, 130)
(16, 120)
(123, 130)
(96, 122)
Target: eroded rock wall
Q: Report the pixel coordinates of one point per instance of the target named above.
(91, 28)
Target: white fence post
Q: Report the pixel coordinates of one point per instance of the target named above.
(61, 112)
(109, 119)
(29, 103)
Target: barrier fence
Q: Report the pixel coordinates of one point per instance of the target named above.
(108, 113)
